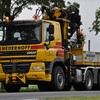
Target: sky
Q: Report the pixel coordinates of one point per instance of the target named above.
(87, 12)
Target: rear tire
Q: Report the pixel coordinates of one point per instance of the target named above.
(98, 80)
(88, 80)
(87, 85)
(97, 86)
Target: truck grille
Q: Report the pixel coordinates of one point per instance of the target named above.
(16, 67)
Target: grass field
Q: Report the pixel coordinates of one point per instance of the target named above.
(29, 88)
(74, 98)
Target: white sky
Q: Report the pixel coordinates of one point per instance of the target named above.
(87, 12)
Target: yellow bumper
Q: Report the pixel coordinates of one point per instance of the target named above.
(36, 72)
(41, 76)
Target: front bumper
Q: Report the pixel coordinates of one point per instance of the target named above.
(23, 78)
(36, 72)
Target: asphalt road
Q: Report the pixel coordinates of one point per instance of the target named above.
(38, 95)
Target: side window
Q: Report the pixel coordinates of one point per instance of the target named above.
(1, 35)
(46, 33)
(38, 33)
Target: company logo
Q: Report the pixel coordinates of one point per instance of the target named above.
(31, 52)
(9, 48)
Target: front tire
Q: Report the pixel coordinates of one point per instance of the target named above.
(58, 78)
(57, 83)
(11, 88)
(68, 87)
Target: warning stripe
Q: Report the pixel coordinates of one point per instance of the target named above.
(37, 47)
(58, 45)
(60, 51)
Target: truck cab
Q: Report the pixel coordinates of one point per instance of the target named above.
(28, 52)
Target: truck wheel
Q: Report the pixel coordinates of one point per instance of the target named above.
(68, 84)
(58, 78)
(88, 80)
(12, 88)
(97, 86)
(98, 80)
(67, 87)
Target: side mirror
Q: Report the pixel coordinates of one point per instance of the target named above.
(51, 38)
(51, 29)
(51, 32)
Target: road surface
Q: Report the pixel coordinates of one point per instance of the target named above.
(39, 95)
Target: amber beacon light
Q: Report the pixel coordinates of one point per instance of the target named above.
(7, 19)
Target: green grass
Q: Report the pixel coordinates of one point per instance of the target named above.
(29, 88)
(74, 98)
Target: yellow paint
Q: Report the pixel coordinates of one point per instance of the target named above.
(41, 76)
(14, 76)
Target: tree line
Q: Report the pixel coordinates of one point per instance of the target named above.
(13, 8)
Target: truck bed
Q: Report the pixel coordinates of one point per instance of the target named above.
(86, 57)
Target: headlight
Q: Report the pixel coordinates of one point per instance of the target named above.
(38, 68)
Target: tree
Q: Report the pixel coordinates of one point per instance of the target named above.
(51, 3)
(13, 8)
(96, 23)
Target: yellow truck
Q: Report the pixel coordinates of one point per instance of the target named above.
(40, 52)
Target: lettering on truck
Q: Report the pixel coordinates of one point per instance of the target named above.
(10, 48)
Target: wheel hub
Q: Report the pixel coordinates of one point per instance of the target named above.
(60, 79)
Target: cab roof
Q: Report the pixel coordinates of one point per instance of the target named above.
(20, 22)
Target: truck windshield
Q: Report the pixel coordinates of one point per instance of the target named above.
(16, 34)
